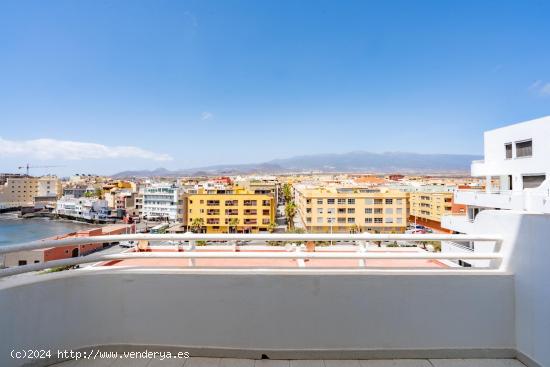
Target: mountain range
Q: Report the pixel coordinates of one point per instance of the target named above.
(359, 161)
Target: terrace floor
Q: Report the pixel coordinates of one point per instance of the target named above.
(229, 362)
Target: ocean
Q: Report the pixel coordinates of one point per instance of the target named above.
(15, 230)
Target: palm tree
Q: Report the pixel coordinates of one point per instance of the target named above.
(355, 229)
(99, 193)
(271, 227)
(287, 192)
(232, 224)
(197, 224)
(290, 211)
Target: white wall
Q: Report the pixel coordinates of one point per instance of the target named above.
(260, 311)
(527, 247)
(495, 162)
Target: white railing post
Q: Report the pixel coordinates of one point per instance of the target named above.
(192, 247)
(301, 262)
(362, 249)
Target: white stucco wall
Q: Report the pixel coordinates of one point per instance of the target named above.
(260, 311)
(495, 162)
(527, 250)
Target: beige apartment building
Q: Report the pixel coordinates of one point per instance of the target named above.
(22, 190)
(234, 209)
(427, 207)
(344, 210)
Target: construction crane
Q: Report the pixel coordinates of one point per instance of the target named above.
(28, 166)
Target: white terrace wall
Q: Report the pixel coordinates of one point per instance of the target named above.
(420, 314)
(527, 248)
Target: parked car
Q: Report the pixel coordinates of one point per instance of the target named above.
(127, 244)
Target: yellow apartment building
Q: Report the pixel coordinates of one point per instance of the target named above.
(344, 210)
(234, 209)
(427, 207)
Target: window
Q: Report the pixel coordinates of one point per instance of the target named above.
(389, 211)
(341, 220)
(389, 201)
(351, 201)
(351, 210)
(369, 201)
(320, 220)
(533, 181)
(398, 211)
(330, 211)
(351, 220)
(341, 211)
(308, 219)
(308, 201)
(377, 220)
(368, 220)
(341, 201)
(389, 220)
(377, 201)
(22, 262)
(398, 221)
(524, 148)
(320, 201)
(368, 211)
(330, 201)
(508, 150)
(308, 210)
(319, 210)
(377, 210)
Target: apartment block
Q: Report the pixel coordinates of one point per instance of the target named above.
(233, 209)
(428, 206)
(344, 210)
(158, 201)
(22, 190)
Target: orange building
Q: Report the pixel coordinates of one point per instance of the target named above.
(65, 252)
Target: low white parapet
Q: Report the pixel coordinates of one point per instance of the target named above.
(502, 200)
(457, 223)
(249, 314)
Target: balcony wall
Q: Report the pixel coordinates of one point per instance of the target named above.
(405, 314)
(526, 249)
(457, 223)
(502, 200)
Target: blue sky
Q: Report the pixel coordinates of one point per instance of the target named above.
(105, 86)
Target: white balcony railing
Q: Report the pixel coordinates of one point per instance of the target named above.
(298, 255)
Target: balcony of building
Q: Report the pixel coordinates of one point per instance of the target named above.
(457, 222)
(492, 198)
(340, 305)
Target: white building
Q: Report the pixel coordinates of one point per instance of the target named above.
(159, 201)
(85, 208)
(515, 168)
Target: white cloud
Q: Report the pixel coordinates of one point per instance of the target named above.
(73, 150)
(540, 87)
(206, 116)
